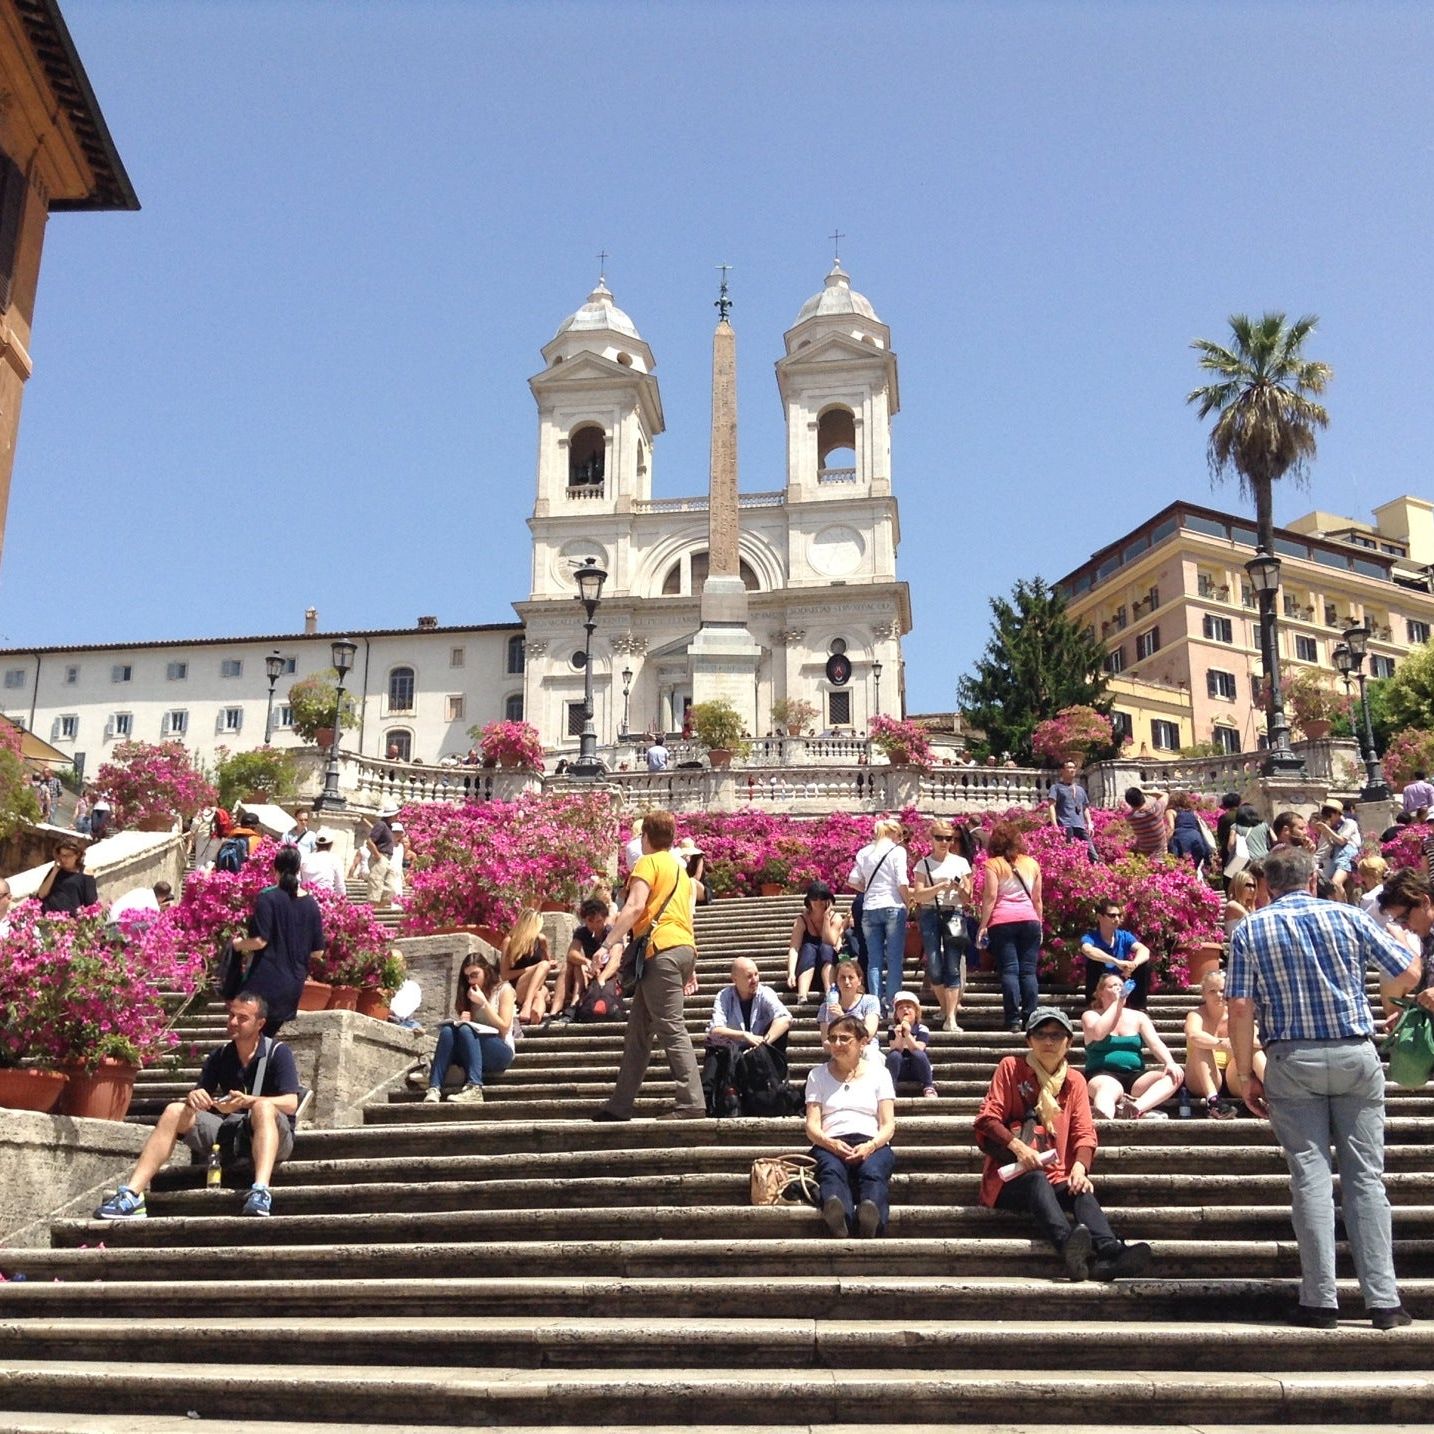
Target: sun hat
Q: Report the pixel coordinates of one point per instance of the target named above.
(323, 837)
(1042, 1014)
(388, 809)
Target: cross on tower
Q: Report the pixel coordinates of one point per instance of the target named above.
(602, 265)
(723, 303)
(836, 236)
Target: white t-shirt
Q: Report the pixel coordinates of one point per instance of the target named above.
(883, 879)
(849, 1107)
(322, 869)
(929, 872)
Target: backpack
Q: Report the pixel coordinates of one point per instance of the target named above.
(762, 1085)
(233, 853)
(602, 1001)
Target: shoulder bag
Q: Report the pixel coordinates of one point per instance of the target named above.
(1410, 1046)
(784, 1180)
(634, 958)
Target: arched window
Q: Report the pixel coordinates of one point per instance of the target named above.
(516, 654)
(400, 690)
(586, 458)
(672, 583)
(398, 744)
(836, 442)
(513, 708)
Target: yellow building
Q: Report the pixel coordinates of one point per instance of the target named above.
(1174, 606)
(55, 154)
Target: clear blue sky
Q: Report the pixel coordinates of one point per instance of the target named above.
(298, 376)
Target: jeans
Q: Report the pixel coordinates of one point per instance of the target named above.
(462, 1045)
(655, 1014)
(813, 954)
(945, 957)
(1323, 1092)
(1032, 1194)
(868, 1179)
(909, 1068)
(885, 933)
(1016, 946)
(1081, 835)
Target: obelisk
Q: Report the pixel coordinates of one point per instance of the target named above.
(723, 656)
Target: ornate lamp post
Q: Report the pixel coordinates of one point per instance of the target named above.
(1264, 571)
(341, 654)
(626, 688)
(590, 578)
(876, 679)
(1375, 789)
(274, 667)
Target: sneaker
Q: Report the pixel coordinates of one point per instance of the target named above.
(834, 1213)
(868, 1219)
(953, 1027)
(1016, 1028)
(1218, 1110)
(1127, 1263)
(258, 1202)
(417, 1078)
(1396, 1318)
(1076, 1253)
(929, 1092)
(697, 1113)
(1154, 1115)
(469, 1095)
(432, 1095)
(563, 1018)
(1125, 1109)
(124, 1204)
(1312, 1317)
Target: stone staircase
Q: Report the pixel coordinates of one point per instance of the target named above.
(513, 1264)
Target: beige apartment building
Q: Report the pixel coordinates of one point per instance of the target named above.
(1173, 604)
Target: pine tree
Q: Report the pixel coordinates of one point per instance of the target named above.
(1037, 662)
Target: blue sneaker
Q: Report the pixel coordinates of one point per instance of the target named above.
(258, 1202)
(124, 1204)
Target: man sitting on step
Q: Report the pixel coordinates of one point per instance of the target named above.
(250, 1087)
(745, 1015)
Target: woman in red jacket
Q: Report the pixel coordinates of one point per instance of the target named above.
(1036, 1130)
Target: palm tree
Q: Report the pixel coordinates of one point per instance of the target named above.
(1265, 430)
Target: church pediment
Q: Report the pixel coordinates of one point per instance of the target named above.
(588, 373)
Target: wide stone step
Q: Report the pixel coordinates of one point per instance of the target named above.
(31, 1423)
(680, 1396)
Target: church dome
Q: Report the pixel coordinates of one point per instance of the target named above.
(600, 313)
(837, 298)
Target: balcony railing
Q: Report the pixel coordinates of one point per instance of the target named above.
(586, 491)
(836, 475)
(771, 499)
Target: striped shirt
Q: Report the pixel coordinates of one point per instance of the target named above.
(1303, 961)
(1147, 823)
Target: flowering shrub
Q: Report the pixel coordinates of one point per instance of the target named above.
(512, 744)
(75, 988)
(18, 803)
(905, 743)
(1308, 698)
(313, 701)
(1411, 751)
(1074, 733)
(482, 863)
(153, 781)
(356, 945)
(1406, 848)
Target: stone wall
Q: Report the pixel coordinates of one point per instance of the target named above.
(346, 1059)
(119, 864)
(54, 1165)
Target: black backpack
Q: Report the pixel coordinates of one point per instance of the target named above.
(762, 1085)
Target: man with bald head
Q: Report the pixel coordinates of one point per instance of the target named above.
(745, 1014)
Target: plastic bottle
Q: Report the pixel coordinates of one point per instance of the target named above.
(214, 1173)
(1127, 988)
(1184, 1108)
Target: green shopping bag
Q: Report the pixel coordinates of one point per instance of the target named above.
(1410, 1047)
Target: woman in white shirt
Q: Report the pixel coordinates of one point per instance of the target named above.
(851, 1118)
(942, 888)
(879, 874)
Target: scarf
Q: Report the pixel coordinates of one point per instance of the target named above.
(1050, 1082)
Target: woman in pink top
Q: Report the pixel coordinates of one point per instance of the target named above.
(1011, 918)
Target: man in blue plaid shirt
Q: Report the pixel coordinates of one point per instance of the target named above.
(1299, 965)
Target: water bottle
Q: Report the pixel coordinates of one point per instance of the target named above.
(214, 1172)
(1184, 1108)
(1127, 988)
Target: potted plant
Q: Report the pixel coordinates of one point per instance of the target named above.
(356, 951)
(1312, 705)
(265, 769)
(377, 990)
(313, 702)
(721, 878)
(718, 726)
(904, 743)
(511, 744)
(773, 876)
(793, 714)
(150, 784)
(1076, 734)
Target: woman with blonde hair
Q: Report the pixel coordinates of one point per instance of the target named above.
(1209, 1057)
(943, 894)
(1011, 920)
(879, 874)
(526, 963)
(1239, 900)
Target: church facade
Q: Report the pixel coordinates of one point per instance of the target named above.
(817, 557)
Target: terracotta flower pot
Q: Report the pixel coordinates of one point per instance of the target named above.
(490, 934)
(1204, 959)
(373, 1002)
(343, 998)
(719, 757)
(154, 824)
(770, 888)
(1317, 728)
(314, 996)
(100, 1094)
(29, 1088)
(558, 906)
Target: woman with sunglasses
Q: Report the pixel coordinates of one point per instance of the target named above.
(942, 892)
(1209, 1057)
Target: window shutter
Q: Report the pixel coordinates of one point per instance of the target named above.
(55, 729)
(109, 726)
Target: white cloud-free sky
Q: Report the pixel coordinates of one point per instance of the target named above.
(298, 376)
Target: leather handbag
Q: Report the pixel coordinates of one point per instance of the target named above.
(784, 1180)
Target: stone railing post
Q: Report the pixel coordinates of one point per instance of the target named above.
(903, 786)
(720, 789)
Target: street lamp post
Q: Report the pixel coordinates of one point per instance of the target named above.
(341, 654)
(590, 578)
(1375, 789)
(1264, 571)
(876, 678)
(626, 688)
(274, 667)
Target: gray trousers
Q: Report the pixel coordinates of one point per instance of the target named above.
(655, 1013)
(1324, 1093)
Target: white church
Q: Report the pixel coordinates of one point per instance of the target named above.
(816, 561)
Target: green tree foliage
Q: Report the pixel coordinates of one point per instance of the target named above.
(265, 769)
(1385, 727)
(18, 803)
(1037, 662)
(1408, 697)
